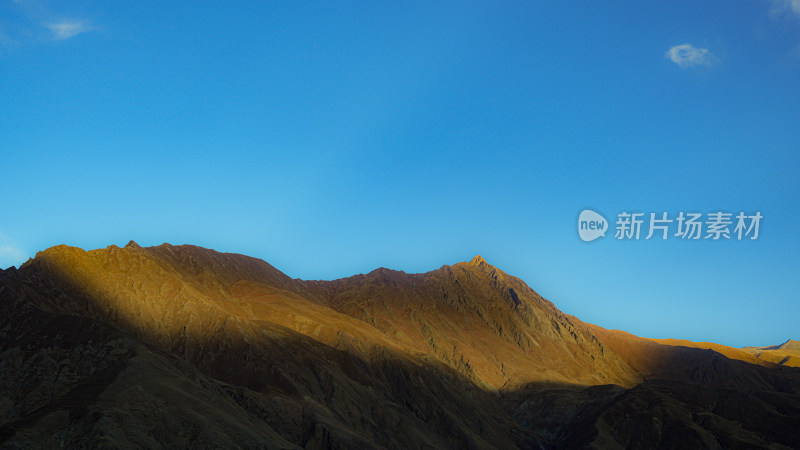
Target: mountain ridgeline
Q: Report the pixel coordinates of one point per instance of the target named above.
(181, 346)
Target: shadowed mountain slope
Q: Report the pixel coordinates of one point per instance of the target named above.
(184, 346)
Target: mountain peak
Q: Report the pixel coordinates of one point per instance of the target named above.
(417, 339)
(790, 345)
(479, 261)
(132, 245)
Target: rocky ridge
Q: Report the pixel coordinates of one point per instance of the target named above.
(184, 346)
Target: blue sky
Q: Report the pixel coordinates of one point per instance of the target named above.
(330, 138)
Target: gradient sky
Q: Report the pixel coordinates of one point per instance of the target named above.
(331, 138)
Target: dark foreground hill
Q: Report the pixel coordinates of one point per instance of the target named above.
(186, 347)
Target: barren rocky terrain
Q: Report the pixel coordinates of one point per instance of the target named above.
(185, 347)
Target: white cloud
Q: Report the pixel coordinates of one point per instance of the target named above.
(687, 55)
(68, 28)
(786, 6)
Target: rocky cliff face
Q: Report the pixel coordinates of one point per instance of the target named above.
(184, 346)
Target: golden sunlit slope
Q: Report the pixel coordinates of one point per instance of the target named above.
(184, 346)
(317, 380)
(477, 319)
(703, 363)
(472, 317)
(786, 354)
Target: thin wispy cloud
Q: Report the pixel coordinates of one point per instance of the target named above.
(781, 7)
(66, 29)
(687, 55)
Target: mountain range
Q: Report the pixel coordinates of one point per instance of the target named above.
(182, 346)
